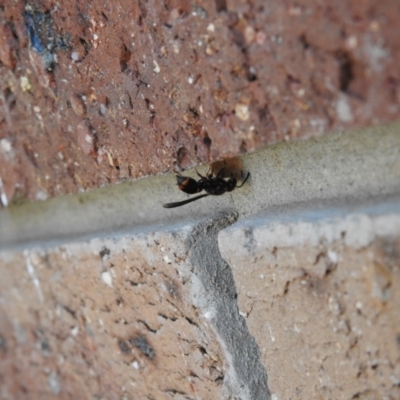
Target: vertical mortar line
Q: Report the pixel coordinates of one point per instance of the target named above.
(247, 377)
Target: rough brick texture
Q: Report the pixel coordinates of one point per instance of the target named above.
(93, 93)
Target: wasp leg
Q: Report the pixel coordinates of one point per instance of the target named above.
(200, 175)
(183, 202)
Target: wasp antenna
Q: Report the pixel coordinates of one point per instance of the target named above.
(245, 179)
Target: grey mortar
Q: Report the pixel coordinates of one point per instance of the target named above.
(216, 296)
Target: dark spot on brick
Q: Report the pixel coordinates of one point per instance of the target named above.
(249, 235)
(124, 347)
(148, 327)
(191, 322)
(10, 98)
(30, 154)
(141, 343)
(286, 290)
(251, 74)
(207, 141)
(104, 252)
(85, 45)
(346, 73)
(104, 16)
(3, 344)
(304, 42)
(124, 58)
(143, 10)
(44, 344)
(182, 152)
(119, 301)
(220, 5)
(70, 311)
(243, 147)
(172, 289)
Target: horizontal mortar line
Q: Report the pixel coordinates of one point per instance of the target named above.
(358, 165)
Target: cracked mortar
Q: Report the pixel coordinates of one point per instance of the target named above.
(216, 295)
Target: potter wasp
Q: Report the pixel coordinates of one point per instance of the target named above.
(212, 185)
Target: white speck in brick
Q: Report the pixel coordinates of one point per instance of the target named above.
(175, 48)
(375, 54)
(301, 92)
(25, 84)
(156, 68)
(85, 138)
(359, 305)
(32, 274)
(296, 123)
(36, 109)
(201, 109)
(211, 27)
(260, 38)
(277, 39)
(135, 365)
(334, 305)
(107, 278)
(343, 109)
(190, 80)
(243, 314)
(103, 109)
(274, 397)
(249, 34)
(242, 111)
(167, 259)
(5, 145)
(351, 42)
(74, 56)
(333, 256)
(54, 383)
(270, 332)
(209, 314)
(41, 195)
(74, 330)
(3, 196)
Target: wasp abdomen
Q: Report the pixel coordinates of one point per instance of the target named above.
(188, 185)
